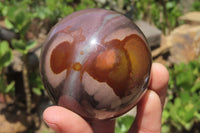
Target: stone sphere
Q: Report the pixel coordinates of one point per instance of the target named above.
(97, 63)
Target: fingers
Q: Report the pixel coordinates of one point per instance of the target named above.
(65, 121)
(159, 80)
(149, 113)
(149, 109)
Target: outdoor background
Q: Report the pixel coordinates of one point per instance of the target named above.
(24, 25)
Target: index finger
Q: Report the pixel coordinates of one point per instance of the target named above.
(159, 80)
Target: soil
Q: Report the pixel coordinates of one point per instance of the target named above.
(14, 119)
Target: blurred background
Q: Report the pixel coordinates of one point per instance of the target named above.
(172, 28)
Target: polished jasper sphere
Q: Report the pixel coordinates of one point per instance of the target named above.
(96, 63)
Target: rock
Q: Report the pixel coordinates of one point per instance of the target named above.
(8, 35)
(185, 42)
(191, 18)
(152, 34)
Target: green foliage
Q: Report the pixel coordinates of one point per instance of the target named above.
(182, 109)
(85, 4)
(123, 124)
(163, 14)
(173, 13)
(36, 83)
(6, 55)
(17, 19)
(23, 46)
(142, 8)
(45, 131)
(196, 6)
(6, 88)
(1, 8)
(156, 17)
(57, 8)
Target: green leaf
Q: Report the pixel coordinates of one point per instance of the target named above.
(9, 25)
(170, 4)
(51, 4)
(19, 45)
(66, 10)
(196, 87)
(197, 115)
(20, 17)
(165, 128)
(10, 13)
(6, 55)
(185, 97)
(6, 59)
(10, 87)
(42, 13)
(24, 28)
(189, 113)
(165, 116)
(184, 76)
(37, 91)
(188, 126)
(4, 47)
(85, 4)
(30, 45)
(22, 46)
(177, 102)
(123, 124)
(1, 6)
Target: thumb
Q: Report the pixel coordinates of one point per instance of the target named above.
(149, 114)
(63, 120)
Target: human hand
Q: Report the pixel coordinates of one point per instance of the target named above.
(148, 117)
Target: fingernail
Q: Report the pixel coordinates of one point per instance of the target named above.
(54, 127)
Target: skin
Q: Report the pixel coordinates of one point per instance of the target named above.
(148, 118)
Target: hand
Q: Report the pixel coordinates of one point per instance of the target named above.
(148, 118)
